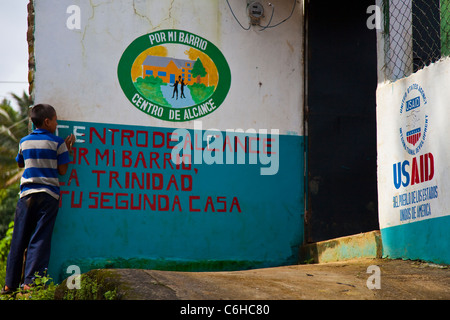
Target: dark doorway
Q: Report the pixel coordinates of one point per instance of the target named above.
(341, 120)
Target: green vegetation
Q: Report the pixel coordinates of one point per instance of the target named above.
(198, 70)
(150, 88)
(13, 126)
(44, 288)
(4, 250)
(8, 201)
(94, 285)
(200, 92)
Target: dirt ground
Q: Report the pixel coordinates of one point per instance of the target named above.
(346, 280)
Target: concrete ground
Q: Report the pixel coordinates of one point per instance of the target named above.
(345, 280)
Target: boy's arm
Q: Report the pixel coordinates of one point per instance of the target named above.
(69, 141)
(62, 168)
(19, 158)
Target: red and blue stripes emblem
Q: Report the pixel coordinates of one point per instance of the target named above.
(413, 136)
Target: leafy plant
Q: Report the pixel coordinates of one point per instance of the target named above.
(200, 92)
(43, 288)
(150, 88)
(4, 250)
(5, 243)
(13, 126)
(92, 287)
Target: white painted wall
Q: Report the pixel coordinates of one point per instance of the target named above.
(76, 70)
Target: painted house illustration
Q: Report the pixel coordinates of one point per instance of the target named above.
(169, 69)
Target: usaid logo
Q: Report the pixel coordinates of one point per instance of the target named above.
(413, 119)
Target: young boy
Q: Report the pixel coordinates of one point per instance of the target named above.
(44, 156)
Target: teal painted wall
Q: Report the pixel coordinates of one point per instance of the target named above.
(427, 240)
(98, 227)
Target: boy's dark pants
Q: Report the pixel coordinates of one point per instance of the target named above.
(33, 227)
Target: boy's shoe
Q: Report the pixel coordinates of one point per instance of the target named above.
(6, 291)
(25, 287)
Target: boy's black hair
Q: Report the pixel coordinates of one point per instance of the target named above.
(40, 112)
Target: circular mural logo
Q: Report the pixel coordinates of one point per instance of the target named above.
(174, 75)
(413, 119)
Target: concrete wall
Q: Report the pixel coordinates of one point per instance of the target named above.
(413, 165)
(124, 204)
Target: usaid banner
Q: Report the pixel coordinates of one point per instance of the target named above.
(413, 165)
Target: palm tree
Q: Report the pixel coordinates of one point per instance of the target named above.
(24, 102)
(13, 126)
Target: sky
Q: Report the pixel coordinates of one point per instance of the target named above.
(13, 49)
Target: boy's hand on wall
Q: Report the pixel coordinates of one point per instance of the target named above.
(70, 140)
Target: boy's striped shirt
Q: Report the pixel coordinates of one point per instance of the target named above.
(41, 152)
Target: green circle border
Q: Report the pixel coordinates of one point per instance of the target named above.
(142, 43)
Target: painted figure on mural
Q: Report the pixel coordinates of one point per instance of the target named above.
(182, 88)
(175, 89)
